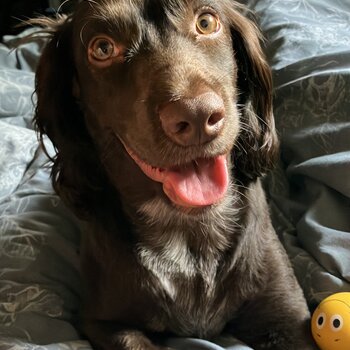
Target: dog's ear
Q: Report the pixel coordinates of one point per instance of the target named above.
(257, 147)
(56, 109)
(75, 174)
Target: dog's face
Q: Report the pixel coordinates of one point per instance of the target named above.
(167, 90)
(165, 77)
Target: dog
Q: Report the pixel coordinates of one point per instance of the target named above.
(161, 116)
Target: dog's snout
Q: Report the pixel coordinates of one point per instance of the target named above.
(193, 121)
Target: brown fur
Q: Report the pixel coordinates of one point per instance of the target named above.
(151, 268)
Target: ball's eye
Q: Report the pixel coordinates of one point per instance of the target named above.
(336, 323)
(102, 50)
(320, 321)
(207, 24)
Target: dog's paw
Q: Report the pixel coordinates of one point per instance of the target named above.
(278, 341)
(135, 340)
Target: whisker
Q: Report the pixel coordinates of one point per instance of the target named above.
(241, 147)
(61, 6)
(81, 33)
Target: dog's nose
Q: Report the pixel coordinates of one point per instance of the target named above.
(193, 121)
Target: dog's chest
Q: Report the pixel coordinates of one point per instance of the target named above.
(187, 289)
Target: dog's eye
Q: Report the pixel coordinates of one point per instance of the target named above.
(207, 24)
(102, 50)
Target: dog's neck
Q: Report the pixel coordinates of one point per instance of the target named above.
(161, 227)
(199, 248)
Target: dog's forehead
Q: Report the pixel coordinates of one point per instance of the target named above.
(134, 21)
(124, 12)
(150, 4)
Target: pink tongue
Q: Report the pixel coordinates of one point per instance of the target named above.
(201, 183)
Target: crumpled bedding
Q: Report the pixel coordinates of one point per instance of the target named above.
(308, 46)
(39, 288)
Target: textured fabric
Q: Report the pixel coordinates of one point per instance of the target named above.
(39, 238)
(308, 44)
(17, 146)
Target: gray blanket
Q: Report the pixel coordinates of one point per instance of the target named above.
(308, 45)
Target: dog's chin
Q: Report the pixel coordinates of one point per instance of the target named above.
(193, 211)
(192, 187)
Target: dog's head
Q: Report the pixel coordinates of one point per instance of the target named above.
(155, 98)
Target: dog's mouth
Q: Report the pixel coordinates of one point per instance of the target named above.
(200, 183)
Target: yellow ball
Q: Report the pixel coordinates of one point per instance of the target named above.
(330, 323)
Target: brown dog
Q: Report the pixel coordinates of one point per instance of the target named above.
(161, 115)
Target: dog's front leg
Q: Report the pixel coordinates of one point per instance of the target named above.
(275, 321)
(108, 336)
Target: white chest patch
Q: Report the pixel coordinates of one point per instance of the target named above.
(171, 261)
(187, 278)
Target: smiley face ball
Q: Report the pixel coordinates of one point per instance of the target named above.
(330, 323)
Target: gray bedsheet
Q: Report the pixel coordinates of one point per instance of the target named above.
(308, 44)
(309, 49)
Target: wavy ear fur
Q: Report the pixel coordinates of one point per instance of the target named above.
(257, 146)
(76, 171)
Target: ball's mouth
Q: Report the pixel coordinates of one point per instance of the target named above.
(202, 182)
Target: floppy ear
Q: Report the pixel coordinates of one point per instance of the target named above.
(76, 172)
(257, 146)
